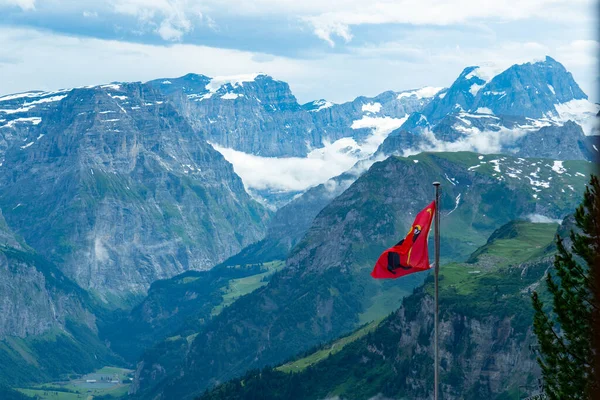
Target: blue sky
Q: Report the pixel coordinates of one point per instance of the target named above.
(333, 49)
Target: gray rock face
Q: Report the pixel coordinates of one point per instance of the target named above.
(260, 115)
(121, 191)
(566, 142)
(529, 90)
(34, 297)
(20, 115)
(30, 304)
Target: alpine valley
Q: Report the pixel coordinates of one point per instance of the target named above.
(211, 237)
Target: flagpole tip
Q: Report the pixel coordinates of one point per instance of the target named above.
(436, 184)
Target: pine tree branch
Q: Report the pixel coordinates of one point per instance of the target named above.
(564, 346)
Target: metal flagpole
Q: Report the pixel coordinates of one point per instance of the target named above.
(436, 273)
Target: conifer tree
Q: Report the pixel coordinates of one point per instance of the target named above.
(565, 333)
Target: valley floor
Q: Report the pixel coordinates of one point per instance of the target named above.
(108, 382)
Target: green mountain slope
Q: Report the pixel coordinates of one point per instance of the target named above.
(325, 290)
(485, 316)
(177, 308)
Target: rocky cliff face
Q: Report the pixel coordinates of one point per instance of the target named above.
(259, 115)
(119, 190)
(20, 115)
(47, 323)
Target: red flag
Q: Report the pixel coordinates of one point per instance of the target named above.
(410, 254)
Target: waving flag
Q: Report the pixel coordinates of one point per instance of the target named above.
(410, 254)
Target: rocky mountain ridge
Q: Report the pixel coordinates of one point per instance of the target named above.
(119, 190)
(527, 105)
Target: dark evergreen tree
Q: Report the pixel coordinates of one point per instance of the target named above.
(565, 334)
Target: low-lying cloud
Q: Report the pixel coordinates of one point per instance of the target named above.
(542, 219)
(292, 173)
(320, 165)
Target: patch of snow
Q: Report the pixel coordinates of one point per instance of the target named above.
(595, 148)
(425, 92)
(484, 110)
(496, 165)
(475, 88)
(27, 145)
(473, 167)
(416, 161)
(579, 174)
(449, 180)
(233, 80)
(494, 93)
(480, 157)
(231, 96)
(45, 100)
(113, 86)
(41, 135)
(551, 89)
(31, 120)
(322, 104)
(111, 120)
(536, 183)
(442, 95)
(558, 167)
(486, 72)
(118, 97)
(456, 204)
(106, 112)
(20, 96)
(166, 82)
(17, 110)
(371, 107)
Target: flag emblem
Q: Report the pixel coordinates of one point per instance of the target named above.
(411, 253)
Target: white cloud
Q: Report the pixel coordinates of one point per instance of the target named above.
(542, 219)
(337, 19)
(176, 16)
(296, 174)
(485, 142)
(26, 5)
(71, 61)
(291, 173)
